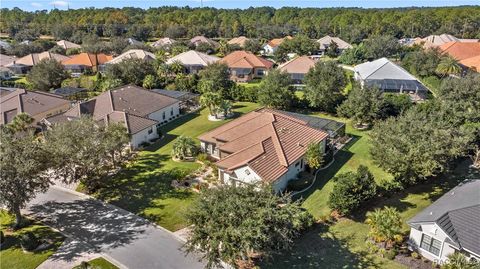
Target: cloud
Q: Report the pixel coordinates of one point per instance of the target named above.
(35, 4)
(59, 3)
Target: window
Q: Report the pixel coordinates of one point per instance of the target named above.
(171, 111)
(163, 115)
(150, 131)
(301, 164)
(430, 244)
(297, 164)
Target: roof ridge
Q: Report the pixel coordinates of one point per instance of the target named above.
(276, 140)
(233, 126)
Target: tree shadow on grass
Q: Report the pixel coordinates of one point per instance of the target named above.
(318, 248)
(88, 221)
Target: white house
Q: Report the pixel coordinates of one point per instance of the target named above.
(272, 45)
(262, 146)
(140, 110)
(451, 224)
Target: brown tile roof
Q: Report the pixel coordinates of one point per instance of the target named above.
(238, 41)
(32, 102)
(277, 41)
(245, 59)
(35, 58)
(299, 65)
(88, 59)
(128, 104)
(266, 140)
(473, 63)
(461, 50)
(201, 39)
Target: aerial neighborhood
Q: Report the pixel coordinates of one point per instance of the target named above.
(239, 137)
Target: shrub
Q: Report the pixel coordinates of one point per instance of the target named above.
(2, 237)
(202, 157)
(29, 241)
(415, 255)
(351, 190)
(390, 254)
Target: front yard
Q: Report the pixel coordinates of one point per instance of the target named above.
(143, 187)
(11, 253)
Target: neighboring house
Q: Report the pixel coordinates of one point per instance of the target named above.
(466, 53)
(245, 66)
(262, 146)
(389, 77)
(408, 41)
(201, 39)
(432, 41)
(451, 224)
(37, 104)
(133, 54)
(163, 42)
(68, 92)
(141, 111)
(86, 62)
(298, 67)
(68, 45)
(133, 41)
(240, 41)
(272, 45)
(193, 61)
(188, 100)
(327, 40)
(6, 59)
(25, 64)
(6, 90)
(5, 73)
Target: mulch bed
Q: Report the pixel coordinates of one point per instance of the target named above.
(412, 263)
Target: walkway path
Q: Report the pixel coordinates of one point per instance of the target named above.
(120, 236)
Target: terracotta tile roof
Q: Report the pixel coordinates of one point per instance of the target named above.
(88, 59)
(473, 63)
(245, 59)
(129, 104)
(277, 41)
(461, 50)
(299, 65)
(35, 103)
(35, 58)
(238, 41)
(266, 140)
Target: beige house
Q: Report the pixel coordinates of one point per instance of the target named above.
(133, 54)
(262, 146)
(245, 66)
(240, 41)
(193, 61)
(37, 104)
(297, 68)
(68, 45)
(327, 40)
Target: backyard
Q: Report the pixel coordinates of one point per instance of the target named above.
(143, 187)
(11, 253)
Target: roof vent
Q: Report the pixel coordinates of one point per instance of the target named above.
(452, 193)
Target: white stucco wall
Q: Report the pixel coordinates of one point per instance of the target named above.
(431, 229)
(269, 50)
(158, 115)
(143, 136)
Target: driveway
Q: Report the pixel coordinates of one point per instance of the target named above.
(131, 241)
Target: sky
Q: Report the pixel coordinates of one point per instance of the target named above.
(32, 5)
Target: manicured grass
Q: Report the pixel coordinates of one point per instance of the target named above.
(11, 253)
(143, 187)
(99, 263)
(253, 83)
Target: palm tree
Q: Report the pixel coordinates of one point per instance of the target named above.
(212, 101)
(226, 107)
(458, 261)
(385, 224)
(223, 47)
(448, 66)
(177, 68)
(184, 147)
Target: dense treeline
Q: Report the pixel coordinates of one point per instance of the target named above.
(352, 24)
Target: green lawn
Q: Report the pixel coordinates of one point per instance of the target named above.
(11, 253)
(99, 263)
(143, 187)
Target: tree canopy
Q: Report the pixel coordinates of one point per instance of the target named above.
(47, 74)
(363, 105)
(275, 90)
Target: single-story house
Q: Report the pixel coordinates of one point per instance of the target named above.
(68, 45)
(188, 100)
(6, 59)
(163, 42)
(265, 145)
(327, 40)
(451, 224)
(68, 92)
(193, 61)
(245, 66)
(86, 62)
(133, 54)
(432, 41)
(298, 67)
(466, 53)
(140, 110)
(389, 77)
(37, 104)
(239, 41)
(272, 45)
(25, 64)
(201, 39)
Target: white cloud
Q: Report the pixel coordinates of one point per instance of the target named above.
(59, 3)
(35, 4)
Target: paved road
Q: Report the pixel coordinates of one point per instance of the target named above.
(122, 236)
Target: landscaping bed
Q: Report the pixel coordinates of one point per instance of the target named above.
(98, 263)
